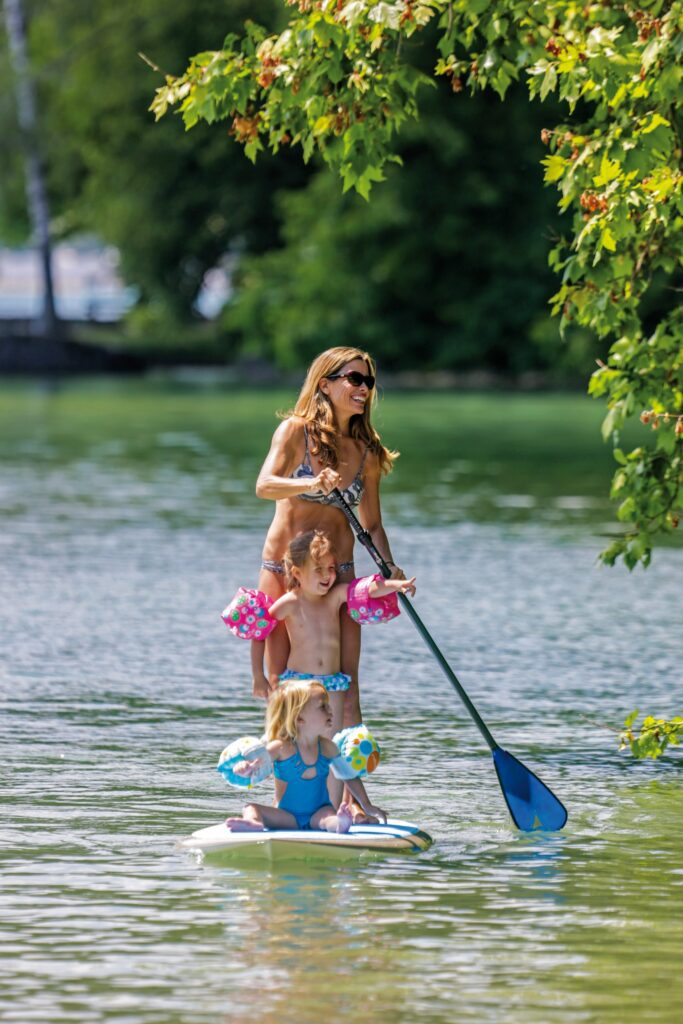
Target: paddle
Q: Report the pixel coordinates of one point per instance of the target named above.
(531, 804)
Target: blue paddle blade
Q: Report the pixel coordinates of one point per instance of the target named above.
(532, 805)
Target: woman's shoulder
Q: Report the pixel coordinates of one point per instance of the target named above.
(291, 428)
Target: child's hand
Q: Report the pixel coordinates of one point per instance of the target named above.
(260, 686)
(376, 812)
(402, 586)
(247, 768)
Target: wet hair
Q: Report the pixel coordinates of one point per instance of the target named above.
(316, 411)
(313, 544)
(285, 706)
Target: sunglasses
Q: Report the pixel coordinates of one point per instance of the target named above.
(355, 378)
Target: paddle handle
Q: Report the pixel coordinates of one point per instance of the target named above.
(368, 543)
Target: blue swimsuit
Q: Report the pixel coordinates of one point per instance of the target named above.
(303, 797)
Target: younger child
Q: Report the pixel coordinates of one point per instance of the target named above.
(298, 722)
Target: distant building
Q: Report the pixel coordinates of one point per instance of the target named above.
(87, 283)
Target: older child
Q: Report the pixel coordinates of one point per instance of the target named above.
(298, 722)
(310, 610)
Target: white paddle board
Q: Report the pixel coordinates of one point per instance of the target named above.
(394, 836)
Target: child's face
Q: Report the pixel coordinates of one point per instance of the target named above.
(316, 716)
(316, 578)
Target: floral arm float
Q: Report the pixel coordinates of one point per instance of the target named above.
(248, 614)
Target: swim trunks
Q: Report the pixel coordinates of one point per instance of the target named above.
(336, 682)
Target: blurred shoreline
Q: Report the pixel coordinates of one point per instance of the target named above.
(90, 348)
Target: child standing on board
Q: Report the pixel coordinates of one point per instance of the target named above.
(298, 723)
(310, 610)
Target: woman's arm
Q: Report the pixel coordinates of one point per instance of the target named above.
(370, 515)
(274, 482)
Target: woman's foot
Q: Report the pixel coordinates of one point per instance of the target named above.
(242, 825)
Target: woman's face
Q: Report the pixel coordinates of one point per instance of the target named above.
(348, 399)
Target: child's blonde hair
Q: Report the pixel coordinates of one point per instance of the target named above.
(285, 706)
(313, 544)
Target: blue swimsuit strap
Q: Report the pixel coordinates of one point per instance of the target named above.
(299, 765)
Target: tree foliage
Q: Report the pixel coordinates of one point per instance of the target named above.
(446, 268)
(652, 737)
(172, 204)
(339, 81)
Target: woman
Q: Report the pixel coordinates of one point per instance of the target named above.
(327, 441)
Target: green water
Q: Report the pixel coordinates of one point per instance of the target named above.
(128, 519)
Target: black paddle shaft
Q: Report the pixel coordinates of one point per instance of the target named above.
(367, 542)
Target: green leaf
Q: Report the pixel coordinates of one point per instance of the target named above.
(607, 240)
(628, 722)
(549, 81)
(555, 167)
(611, 422)
(609, 170)
(655, 122)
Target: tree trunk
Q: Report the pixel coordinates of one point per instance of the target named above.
(36, 193)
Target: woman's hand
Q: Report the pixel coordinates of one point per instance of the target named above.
(326, 481)
(396, 572)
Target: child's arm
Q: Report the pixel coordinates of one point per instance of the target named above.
(248, 766)
(338, 594)
(283, 607)
(358, 789)
(260, 684)
(330, 749)
(381, 588)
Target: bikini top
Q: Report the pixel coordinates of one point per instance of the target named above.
(292, 768)
(351, 494)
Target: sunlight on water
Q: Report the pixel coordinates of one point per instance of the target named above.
(123, 536)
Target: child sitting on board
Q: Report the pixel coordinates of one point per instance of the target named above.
(310, 610)
(298, 749)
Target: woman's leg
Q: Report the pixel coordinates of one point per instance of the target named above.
(258, 817)
(336, 699)
(276, 648)
(350, 658)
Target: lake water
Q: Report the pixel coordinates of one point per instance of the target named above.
(128, 520)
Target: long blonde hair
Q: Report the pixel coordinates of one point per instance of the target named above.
(285, 706)
(317, 412)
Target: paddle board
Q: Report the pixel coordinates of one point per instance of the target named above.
(284, 844)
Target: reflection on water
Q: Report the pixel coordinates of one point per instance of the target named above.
(128, 518)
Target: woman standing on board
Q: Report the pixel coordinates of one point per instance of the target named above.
(327, 441)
